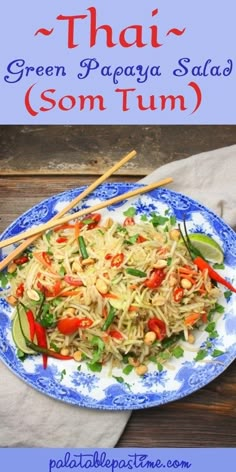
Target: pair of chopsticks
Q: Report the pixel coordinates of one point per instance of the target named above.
(31, 235)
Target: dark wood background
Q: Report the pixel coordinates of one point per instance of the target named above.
(39, 161)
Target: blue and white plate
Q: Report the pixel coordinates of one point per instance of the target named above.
(63, 381)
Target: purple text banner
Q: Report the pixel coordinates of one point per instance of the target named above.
(117, 460)
(114, 62)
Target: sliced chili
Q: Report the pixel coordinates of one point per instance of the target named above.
(117, 260)
(62, 239)
(68, 326)
(158, 327)
(73, 281)
(115, 334)
(21, 260)
(129, 221)
(156, 278)
(41, 336)
(178, 294)
(20, 290)
(31, 321)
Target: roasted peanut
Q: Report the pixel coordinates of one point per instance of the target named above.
(12, 300)
(88, 261)
(141, 369)
(101, 286)
(185, 283)
(160, 264)
(150, 338)
(174, 234)
(11, 268)
(64, 351)
(77, 356)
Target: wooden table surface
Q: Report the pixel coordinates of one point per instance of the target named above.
(37, 162)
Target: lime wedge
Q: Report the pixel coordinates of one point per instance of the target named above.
(18, 338)
(208, 247)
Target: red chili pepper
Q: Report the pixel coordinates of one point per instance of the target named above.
(202, 264)
(178, 294)
(68, 326)
(46, 258)
(158, 326)
(141, 239)
(115, 334)
(31, 321)
(108, 257)
(96, 217)
(75, 282)
(61, 240)
(156, 278)
(129, 221)
(52, 291)
(57, 355)
(21, 260)
(20, 290)
(41, 287)
(117, 260)
(41, 336)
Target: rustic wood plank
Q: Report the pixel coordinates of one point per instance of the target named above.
(203, 419)
(19, 194)
(89, 150)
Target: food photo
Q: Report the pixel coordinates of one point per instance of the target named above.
(118, 286)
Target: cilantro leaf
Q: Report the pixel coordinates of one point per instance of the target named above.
(178, 352)
(219, 266)
(127, 369)
(130, 212)
(217, 353)
(63, 373)
(3, 279)
(95, 366)
(144, 218)
(21, 355)
(131, 240)
(210, 327)
(158, 220)
(173, 220)
(160, 367)
(202, 353)
(227, 294)
(219, 308)
(118, 379)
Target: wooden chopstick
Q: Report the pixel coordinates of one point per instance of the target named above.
(65, 210)
(112, 201)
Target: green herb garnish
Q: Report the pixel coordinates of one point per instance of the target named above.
(219, 266)
(127, 369)
(130, 212)
(94, 366)
(178, 352)
(202, 353)
(217, 353)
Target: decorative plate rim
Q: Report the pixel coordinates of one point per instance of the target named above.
(125, 399)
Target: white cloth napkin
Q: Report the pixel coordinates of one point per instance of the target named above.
(30, 419)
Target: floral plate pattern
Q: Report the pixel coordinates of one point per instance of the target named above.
(123, 392)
